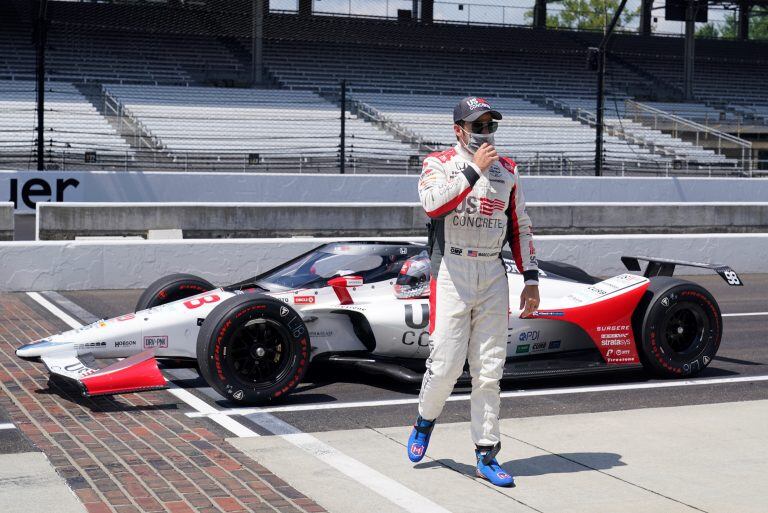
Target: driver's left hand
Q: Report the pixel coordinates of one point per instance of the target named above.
(529, 300)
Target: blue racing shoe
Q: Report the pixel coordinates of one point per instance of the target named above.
(419, 439)
(488, 468)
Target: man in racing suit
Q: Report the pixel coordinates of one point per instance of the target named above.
(475, 203)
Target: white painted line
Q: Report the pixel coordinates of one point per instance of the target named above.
(365, 475)
(201, 406)
(377, 482)
(55, 310)
(750, 314)
(7, 425)
(209, 411)
(505, 395)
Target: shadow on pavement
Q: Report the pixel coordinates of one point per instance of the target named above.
(544, 464)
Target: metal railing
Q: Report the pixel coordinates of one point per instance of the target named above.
(665, 121)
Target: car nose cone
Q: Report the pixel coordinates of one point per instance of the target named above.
(35, 349)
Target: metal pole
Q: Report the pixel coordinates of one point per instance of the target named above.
(599, 113)
(601, 87)
(690, 29)
(343, 142)
(40, 41)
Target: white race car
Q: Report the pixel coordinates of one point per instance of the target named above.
(365, 304)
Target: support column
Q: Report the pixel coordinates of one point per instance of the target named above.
(540, 14)
(646, 16)
(427, 11)
(257, 42)
(743, 27)
(305, 7)
(689, 52)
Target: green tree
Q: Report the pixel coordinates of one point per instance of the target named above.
(729, 27)
(587, 15)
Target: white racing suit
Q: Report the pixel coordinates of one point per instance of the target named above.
(473, 215)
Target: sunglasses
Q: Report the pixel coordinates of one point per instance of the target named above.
(478, 127)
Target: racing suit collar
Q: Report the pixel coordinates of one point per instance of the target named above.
(463, 152)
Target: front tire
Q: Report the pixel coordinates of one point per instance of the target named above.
(253, 349)
(678, 328)
(172, 288)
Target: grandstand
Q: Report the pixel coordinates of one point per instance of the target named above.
(166, 85)
(74, 126)
(286, 130)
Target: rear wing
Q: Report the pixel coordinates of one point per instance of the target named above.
(666, 267)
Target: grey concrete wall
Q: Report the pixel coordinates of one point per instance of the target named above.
(73, 265)
(6, 221)
(28, 187)
(65, 221)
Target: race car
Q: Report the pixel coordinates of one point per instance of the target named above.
(366, 304)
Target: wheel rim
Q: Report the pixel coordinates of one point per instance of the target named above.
(684, 329)
(260, 353)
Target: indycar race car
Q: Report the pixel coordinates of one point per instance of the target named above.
(366, 304)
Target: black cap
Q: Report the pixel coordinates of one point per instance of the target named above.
(471, 108)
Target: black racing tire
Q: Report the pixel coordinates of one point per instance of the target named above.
(172, 288)
(678, 328)
(253, 349)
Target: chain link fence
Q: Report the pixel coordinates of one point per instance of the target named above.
(324, 86)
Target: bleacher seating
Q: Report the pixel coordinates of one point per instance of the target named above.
(278, 125)
(614, 114)
(73, 126)
(144, 51)
(536, 137)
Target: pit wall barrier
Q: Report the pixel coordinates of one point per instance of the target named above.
(26, 188)
(66, 221)
(119, 264)
(6, 221)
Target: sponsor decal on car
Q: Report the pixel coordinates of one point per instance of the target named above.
(155, 341)
(90, 345)
(283, 311)
(528, 335)
(522, 348)
(538, 346)
(554, 344)
(540, 313)
(125, 343)
(126, 317)
(303, 300)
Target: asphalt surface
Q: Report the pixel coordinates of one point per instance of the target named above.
(743, 352)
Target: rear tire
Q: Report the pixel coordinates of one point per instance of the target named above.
(253, 349)
(172, 288)
(678, 328)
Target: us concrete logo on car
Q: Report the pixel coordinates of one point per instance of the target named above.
(238, 395)
(665, 301)
(283, 311)
(156, 342)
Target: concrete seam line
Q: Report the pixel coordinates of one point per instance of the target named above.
(388, 488)
(504, 395)
(750, 314)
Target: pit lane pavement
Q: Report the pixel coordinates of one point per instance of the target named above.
(742, 356)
